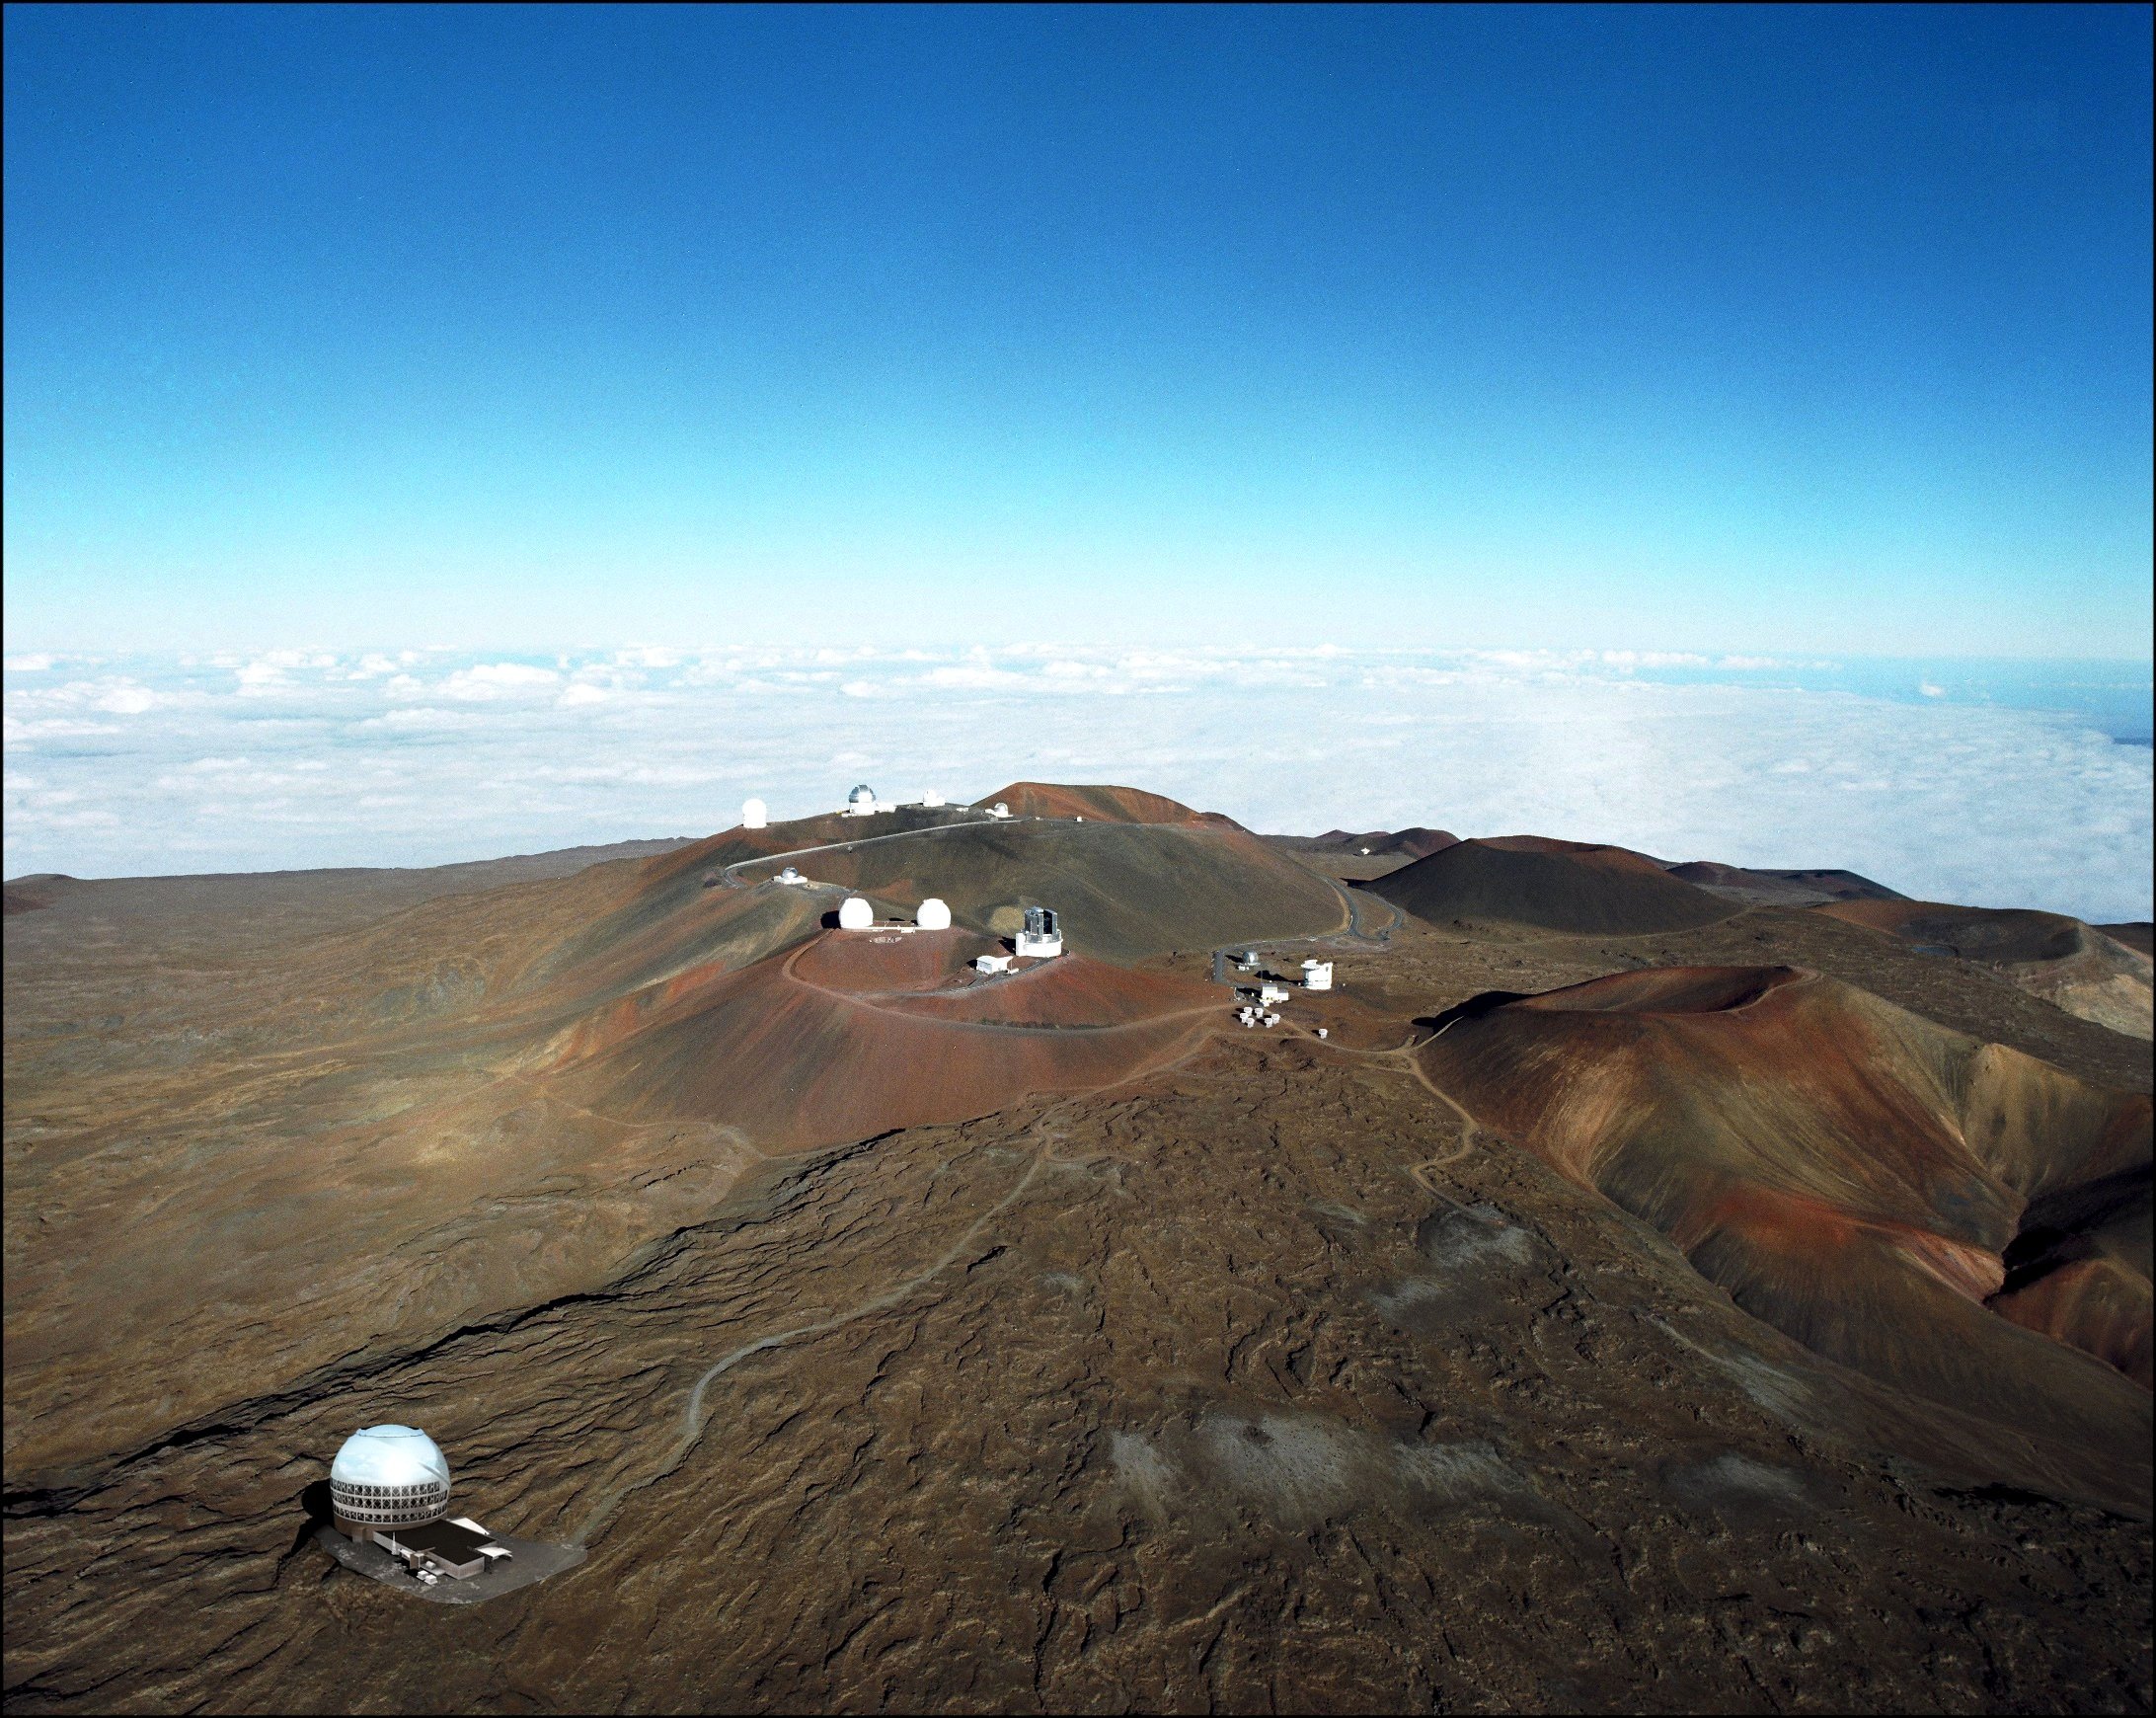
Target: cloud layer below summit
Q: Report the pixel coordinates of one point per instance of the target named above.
(302, 758)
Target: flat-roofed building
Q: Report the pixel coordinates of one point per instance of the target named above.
(459, 1548)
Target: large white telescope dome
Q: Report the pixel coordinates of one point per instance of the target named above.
(389, 1476)
(854, 913)
(755, 814)
(934, 916)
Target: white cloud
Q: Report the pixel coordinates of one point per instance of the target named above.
(488, 680)
(1931, 691)
(33, 663)
(462, 757)
(1654, 660)
(421, 717)
(260, 679)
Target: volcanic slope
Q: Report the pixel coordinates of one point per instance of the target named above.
(1855, 1176)
(629, 1041)
(1802, 888)
(1259, 1379)
(854, 1033)
(1121, 804)
(1121, 892)
(2075, 966)
(1257, 1383)
(1560, 886)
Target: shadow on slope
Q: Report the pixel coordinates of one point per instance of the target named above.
(1857, 1177)
(2089, 972)
(1557, 885)
(1770, 887)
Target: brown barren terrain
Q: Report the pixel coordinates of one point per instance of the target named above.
(1642, 1297)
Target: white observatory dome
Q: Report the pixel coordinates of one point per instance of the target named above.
(862, 800)
(932, 798)
(389, 1476)
(755, 814)
(934, 916)
(854, 913)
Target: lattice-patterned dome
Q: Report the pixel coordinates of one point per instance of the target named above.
(390, 1477)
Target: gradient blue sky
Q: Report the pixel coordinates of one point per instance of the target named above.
(1766, 329)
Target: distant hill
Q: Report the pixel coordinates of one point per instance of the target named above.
(1770, 887)
(2137, 934)
(2087, 970)
(1122, 804)
(1416, 842)
(1559, 886)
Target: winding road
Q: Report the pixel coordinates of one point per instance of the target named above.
(1047, 1135)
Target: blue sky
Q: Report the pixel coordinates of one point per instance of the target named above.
(1774, 328)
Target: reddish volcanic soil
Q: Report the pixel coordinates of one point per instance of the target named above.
(843, 1039)
(1851, 1173)
(1122, 804)
(1746, 1312)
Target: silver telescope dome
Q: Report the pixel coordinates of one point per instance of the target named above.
(389, 1476)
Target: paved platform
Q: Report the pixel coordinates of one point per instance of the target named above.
(531, 1561)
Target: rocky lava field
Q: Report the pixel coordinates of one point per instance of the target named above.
(1665, 1286)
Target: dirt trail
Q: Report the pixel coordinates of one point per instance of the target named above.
(1047, 1132)
(732, 882)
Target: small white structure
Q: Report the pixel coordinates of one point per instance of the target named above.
(932, 798)
(854, 913)
(1042, 938)
(861, 802)
(1317, 975)
(933, 916)
(1320, 1031)
(790, 877)
(1247, 960)
(1272, 1020)
(991, 962)
(999, 809)
(755, 814)
(1272, 993)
